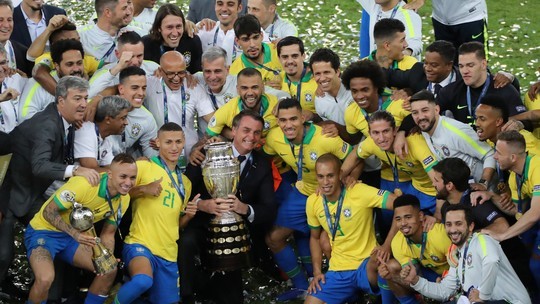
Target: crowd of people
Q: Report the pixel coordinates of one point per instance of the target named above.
(413, 179)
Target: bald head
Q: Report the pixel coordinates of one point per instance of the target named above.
(173, 69)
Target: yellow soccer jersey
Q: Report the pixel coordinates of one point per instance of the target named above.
(223, 117)
(90, 63)
(533, 105)
(315, 144)
(355, 117)
(308, 90)
(437, 244)
(532, 144)
(270, 65)
(531, 181)
(156, 220)
(355, 236)
(404, 64)
(78, 189)
(414, 167)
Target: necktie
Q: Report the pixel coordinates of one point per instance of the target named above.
(437, 88)
(68, 146)
(241, 158)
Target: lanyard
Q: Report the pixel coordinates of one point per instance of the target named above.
(118, 217)
(214, 99)
(392, 15)
(165, 107)
(272, 28)
(300, 156)
(482, 94)
(98, 142)
(464, 261)
(394, 166)
(422, 248)
(366, 115)
(262, 66)
(333, 227)
(500, 173)
(178, 186)
(162, 49)
(437, 151)
(102, 60)
(298, 86)
(520, 179)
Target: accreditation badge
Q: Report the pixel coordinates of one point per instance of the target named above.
(518, 215)
(300, 185)
(398, 192)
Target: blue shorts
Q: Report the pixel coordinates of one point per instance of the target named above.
(292, 212)
(285, 187)
(428, 274)
(342, 285)
(427, 202)
(166, 287)
(55, 242)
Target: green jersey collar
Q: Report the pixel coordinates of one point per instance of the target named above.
(267, 57)
(264, 104)
(310, 132)
(102, 192)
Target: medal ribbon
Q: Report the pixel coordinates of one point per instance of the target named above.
(392, 15)
(300, 156)
(213, 98)
(178, 186)
(298, 87)
(379, 107)
(472, 113)
(422, 248)
(334, 226)
(464, 262)
(102, 60)
(520, 179)
(118, 217)
(166, 108)
(394, 166)
(233, 55)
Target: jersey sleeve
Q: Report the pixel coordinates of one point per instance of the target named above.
(401, 253)
(419, 148)
(397, 110)
(351, 119)
(91, 64)
(203, 103)
(99, 81)
(218, 121)
(267, 148)
(72, 191)
(363, 150)
(312, 220)
(46, 60)
(371, 196)
(339, 147)
(146, 137)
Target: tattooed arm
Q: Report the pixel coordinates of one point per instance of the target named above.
(52, 215)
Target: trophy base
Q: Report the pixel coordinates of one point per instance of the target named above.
(105, 262)
(228, 244)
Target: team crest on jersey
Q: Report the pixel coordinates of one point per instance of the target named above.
(227, 97)
(347, 213)
(41, 241)
(188, 96)
(136, 129)
(103, 153)
(435, 258)
(446, 151)
(139, 249)
(308, 97)
(429, 159)
(266, 125)
(212, 122)
(469, 259)
(410, 164)
(67, 196)
(313, 156)
(107, 214)
(187, 57)
(345, 147)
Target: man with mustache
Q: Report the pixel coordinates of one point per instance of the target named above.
(67, 56)
(479, 270)
(93, 148)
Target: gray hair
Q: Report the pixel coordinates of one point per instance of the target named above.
(214, 53)
(111, 106)
(7, 3)
(70, 82)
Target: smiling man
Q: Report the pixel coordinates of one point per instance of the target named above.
(50, 233)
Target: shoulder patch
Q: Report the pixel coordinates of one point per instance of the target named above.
(345, 147)
(212, 122)
(380, 192)
(428, 160)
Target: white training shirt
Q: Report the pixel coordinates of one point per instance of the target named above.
(145, 20)
(89, 144)
(281, 28)
(333, 108)
(9, 109)
(459, 11)
(140, 130)
(34, 98)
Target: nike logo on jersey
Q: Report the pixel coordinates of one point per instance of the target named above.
(282, 154)
(461, 107)
(476, 36)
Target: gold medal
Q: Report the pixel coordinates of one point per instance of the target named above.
(398, 192)
(501, 187)
(518, 215)
(300, 185)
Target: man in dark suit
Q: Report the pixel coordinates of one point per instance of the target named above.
(30, 19)
(254, 201)
(16, 52)
(42, 153)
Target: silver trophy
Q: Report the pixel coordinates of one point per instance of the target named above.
(228, 238)
(82, 219)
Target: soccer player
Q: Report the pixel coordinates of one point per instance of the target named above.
(298, 80)
(464, 95)
(141, 128)
(51, 235)
(447, 137)
(250, 88)
(391, 44)
(160, 208)
(480, 270)
(412, 245)
(299, 145)
(346, 214)
(275, 27)
(411, 175)
(393, 9)
(256, 53)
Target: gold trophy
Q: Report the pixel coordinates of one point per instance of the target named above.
(82, 219)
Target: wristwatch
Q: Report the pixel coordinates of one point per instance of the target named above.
(483, 182)
(74, 170)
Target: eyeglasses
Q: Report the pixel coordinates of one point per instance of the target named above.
(171, 75)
